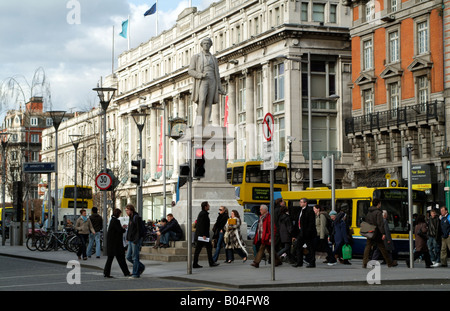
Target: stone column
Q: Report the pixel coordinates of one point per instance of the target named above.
(232, 116)
(153, 141)
(250, 114)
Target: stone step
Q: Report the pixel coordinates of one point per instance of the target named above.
(178, 252)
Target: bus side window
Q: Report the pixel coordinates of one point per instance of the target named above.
(345, 205)
(326, 204)
(362, 208)
(238, 175)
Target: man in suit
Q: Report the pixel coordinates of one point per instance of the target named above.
(204, 69)
(306, 233)
(202, 232)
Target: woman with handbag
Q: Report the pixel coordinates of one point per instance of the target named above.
(83, 227)
(233, 238)
(341, 237)
(420, 231)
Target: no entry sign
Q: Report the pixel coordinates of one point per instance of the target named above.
(268, 126)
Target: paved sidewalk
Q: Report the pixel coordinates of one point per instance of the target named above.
(242, 275)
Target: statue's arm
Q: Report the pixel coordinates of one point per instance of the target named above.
(192, 71)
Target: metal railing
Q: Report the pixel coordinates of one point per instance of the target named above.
(426, 112)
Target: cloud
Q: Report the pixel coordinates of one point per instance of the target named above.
(74, 56)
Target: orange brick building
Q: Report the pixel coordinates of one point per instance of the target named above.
(398, 90)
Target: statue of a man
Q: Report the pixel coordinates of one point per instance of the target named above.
(204, 69)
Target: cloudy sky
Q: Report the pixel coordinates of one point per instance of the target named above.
(70, 42)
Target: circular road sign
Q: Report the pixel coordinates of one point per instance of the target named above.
(268, 126)
(103, 181)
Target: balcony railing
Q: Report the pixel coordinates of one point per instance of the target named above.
(430, 111)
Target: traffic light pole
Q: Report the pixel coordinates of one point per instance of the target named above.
(189, 211)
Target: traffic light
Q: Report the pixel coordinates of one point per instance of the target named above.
(185, 170)
(136, 170)
(199, 163)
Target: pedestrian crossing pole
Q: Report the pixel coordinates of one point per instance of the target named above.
(406, 174)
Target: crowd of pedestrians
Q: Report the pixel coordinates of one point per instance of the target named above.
(300, 232)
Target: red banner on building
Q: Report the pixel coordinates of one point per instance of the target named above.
(160, 154)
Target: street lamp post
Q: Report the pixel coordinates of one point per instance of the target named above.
(57, 117)
(75, 139)
(139, 118)
(4, 139)
(105, 95)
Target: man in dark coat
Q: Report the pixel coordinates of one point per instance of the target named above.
(97, 223)
(134, 238)
(375, 218)
(170, 232)
(306, 234)
(114, 245)
(202, 232)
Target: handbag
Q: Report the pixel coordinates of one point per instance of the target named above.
(367, 230)
(346, 252)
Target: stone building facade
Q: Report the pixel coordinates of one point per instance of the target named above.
(261, 47)
(399, 83)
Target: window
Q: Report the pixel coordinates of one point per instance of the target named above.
(422, 91)
(35, 156)
(49, 122)
(242, 141)
(333, 13)
(241, 99)
(394, 97)
(35, 138)
(370, 11)
(368, 102)
(34, 121)
(281, 135)
(259, 95)
(304, 12)
(368, 54)
(238, 175)
(394, 55)
(394, 5)
(279, 81)
(324, 136)
(319, 12)
(422, 37)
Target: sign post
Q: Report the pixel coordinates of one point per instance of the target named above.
(269, 164)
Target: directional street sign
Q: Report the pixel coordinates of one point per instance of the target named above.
(39, 167)
(269, 156)
(268, 126)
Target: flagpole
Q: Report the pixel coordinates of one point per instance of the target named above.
(157, 9)
(112, 62)
(129, 32)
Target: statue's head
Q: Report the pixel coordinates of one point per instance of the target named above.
(206, 43)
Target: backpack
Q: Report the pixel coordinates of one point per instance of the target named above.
(142, 227)
(329, 225)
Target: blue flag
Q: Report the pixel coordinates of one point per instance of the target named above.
(151, 11)
(124, 29)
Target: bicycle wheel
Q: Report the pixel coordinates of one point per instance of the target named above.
(42, 243)
(75, 243)
(32, 241)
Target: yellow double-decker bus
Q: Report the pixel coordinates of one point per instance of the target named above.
(252, 184)
(66, 198)
(355, 203)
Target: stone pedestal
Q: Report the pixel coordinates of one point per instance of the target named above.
(214, 187)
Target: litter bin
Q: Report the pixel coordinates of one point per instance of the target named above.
(15, 234)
